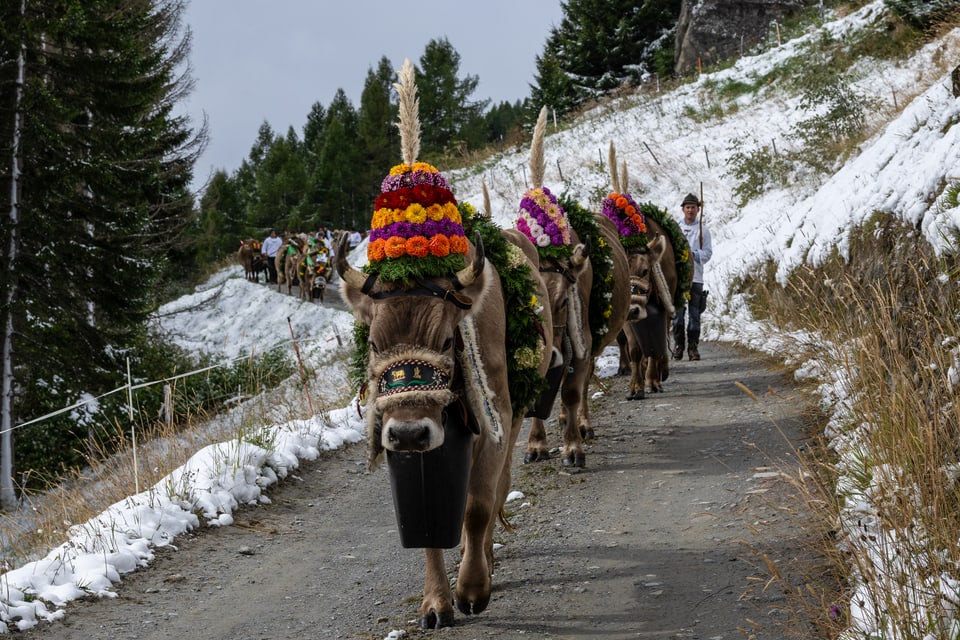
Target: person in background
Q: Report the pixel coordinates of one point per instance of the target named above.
(355, 239)
(271, 244)
(701, 246)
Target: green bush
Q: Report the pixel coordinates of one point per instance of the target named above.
(756, 170)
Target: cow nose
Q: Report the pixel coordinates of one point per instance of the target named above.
(411, 436)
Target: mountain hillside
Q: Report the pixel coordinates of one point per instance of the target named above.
(673, 142)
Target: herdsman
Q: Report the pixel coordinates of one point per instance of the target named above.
(698, 236)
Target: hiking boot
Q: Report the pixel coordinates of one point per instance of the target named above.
(678, 353)
(693, 341)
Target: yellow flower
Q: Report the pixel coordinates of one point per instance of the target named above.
(416, 213)
(435, 212)
(452, 212)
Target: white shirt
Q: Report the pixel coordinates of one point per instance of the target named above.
(701, 254)
(270, 246)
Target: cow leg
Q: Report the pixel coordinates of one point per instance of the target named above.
(624, 367)
(436, 610)
(583, 418)
(537, 442)
(571, 394)
(474, 578)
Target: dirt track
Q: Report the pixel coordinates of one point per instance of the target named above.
(658, 537)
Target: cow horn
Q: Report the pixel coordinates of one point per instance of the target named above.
(469, 273)
(351, 276)
(580, 253)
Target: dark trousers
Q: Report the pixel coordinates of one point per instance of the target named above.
(693, 308)
(272, 269)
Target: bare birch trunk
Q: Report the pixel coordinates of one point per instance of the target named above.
(8, 496)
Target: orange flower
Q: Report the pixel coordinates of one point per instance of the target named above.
(621, 202)
(439, 245)
(395, 247)
(417, 246)
(459, 244)
(631, 211)
(375, 250)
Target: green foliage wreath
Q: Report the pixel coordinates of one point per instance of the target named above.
(681, 250)
(582, 221)
(524, 322)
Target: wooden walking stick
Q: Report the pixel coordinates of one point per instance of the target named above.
(701, 214)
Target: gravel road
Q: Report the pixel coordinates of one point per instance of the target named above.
(660, 536)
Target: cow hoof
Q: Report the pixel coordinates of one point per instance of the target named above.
(578, 460)
(536, 456)
(586, 434)
(434, 620)
(470, 608)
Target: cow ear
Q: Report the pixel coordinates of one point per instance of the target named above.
(657, 247)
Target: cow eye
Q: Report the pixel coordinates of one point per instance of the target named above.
(373, 347)
(447, 345)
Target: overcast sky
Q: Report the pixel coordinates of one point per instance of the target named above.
(255, 60)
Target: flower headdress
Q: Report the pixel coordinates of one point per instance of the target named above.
(541, 218)
(416, 230)
(623, 211)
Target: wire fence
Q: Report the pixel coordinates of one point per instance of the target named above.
(130, 387)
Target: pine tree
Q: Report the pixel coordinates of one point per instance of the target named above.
(450, 120)
(281, 184)
(103, 198)
(379, 136)
(342, 197)
(599, 46)
(313, 137)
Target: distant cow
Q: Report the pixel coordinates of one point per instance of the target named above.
(576, 337)
(653, 279)
(313, 271)
(288, 261)
(251, 259)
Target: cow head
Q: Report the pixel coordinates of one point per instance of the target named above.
(560, 278)
(412, 371)
(642, 277)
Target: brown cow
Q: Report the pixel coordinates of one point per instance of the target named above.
(313, 272)
(426, 326)
(437, 357)
(250, 258)
(572, 327)
(653, 278)
(288, 260)
(569, 281)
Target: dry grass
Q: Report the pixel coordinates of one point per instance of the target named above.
(882, 481)
(111, 477)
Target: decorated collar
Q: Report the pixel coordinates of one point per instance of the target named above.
(412, 375)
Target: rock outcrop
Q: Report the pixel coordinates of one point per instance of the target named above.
(714, 30)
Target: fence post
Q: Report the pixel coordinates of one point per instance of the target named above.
(133, 430)
(168, 406)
